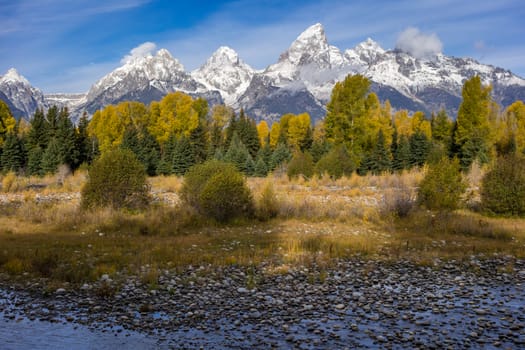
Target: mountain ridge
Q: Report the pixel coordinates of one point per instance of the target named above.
(300, 80)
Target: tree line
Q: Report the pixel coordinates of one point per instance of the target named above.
(359, 133)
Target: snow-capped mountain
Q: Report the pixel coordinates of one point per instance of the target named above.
(225, 72)
(300, 81)
(145, 79)
(311, 67)
(22, 98)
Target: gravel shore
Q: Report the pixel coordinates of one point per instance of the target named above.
(478, 303)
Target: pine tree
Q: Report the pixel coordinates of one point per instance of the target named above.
(419, 149)
(280, 155)
(83, 141)
(199, 143)
(402, 155)
(149, 152)
(260, 169)
(13, 157)
(67, 138)
(51, 157)
(34, 161)
(237, 153)
(182, 156)
(380, 158)
(38, 133)
(165, 166)
(51, 122)
(265, 153)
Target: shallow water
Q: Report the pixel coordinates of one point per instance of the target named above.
(459, 323)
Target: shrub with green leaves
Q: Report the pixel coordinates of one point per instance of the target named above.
(301, 164)
(117, 179)
(336, 163)
(442, 186)
(218, 190)
(503, 187)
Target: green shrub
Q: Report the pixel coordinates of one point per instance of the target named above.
(442, 186)
(301, 164)
(118, 180)
(503, 187)
(217, 190)
(336, 163)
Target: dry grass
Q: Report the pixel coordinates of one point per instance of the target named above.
(319, 221)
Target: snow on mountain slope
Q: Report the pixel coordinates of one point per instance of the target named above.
(225, 72)
(20, 94)
(301, 80)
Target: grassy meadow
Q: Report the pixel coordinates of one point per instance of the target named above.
(44, 234)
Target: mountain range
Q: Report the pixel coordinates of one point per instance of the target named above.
(300, 81)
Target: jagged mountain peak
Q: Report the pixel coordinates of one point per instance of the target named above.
(224, 55)
(12, 75)
(225, 72)
(313, 40)
(369, 45)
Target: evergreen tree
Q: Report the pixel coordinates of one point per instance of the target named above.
(38, 132)
(419, 148)
(247, 131)
(216, 140)
(182, 156)
(260, 169)
(149, 152)
(34, 161)
(249, 166)
(165, 166)
(67, 138)
(199, 143)
(130, 140)
(83, 141)
(402, 155)
(51, 122)
(280, 155)
(238, 154)
(231, 129)
(318, 149)
(13, 156)
(380, 158)
(51, 157)
(265, 153)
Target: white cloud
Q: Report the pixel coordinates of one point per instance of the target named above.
(419, 45)
(140, 51)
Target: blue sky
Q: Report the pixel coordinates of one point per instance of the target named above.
(65, 46)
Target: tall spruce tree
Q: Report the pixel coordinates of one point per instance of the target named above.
(182, 156)
(402, 155)
(380, 158)
(149, 152)
(38, 131)
(34, 161)
(13, 157)
(419, 148)
(165, 166)
(238, 154)
(51, 157)
(66, 138)
(199, 143)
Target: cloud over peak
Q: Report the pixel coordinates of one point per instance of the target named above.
(418, 44)
(140, 51)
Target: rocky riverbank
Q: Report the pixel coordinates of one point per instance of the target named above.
(478, 303)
